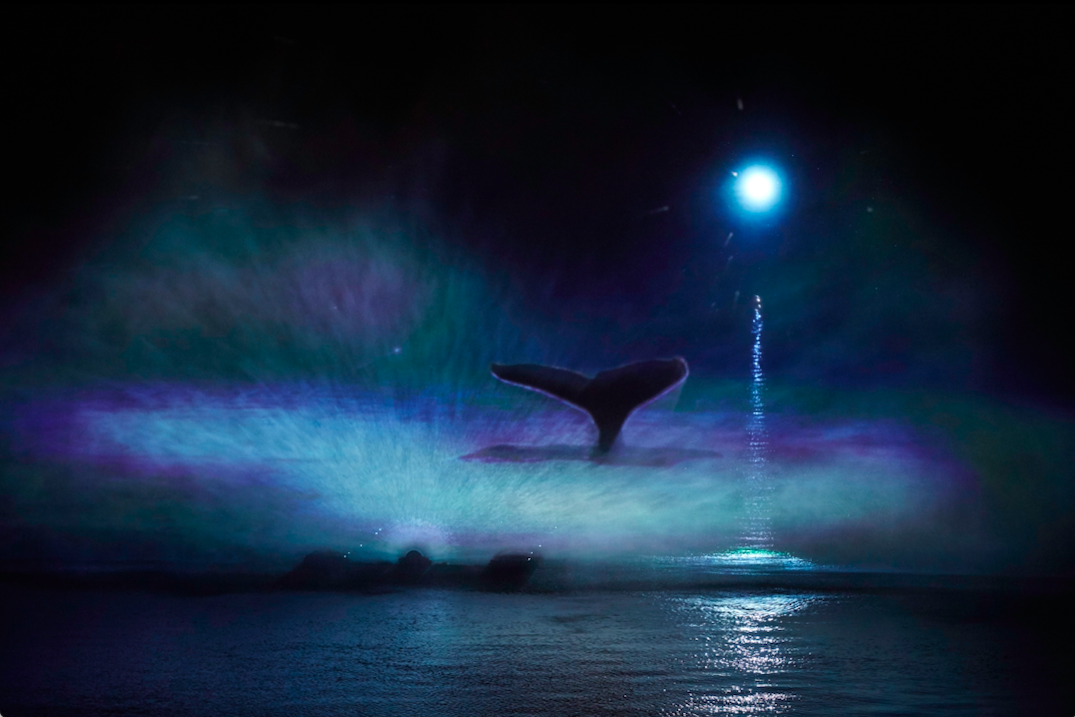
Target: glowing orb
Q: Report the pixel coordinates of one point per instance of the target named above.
(757, 188)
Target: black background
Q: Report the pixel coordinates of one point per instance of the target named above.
(466, 114)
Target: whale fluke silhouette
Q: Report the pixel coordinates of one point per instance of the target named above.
(610, 397)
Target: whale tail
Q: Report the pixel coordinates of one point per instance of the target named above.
(610, 397)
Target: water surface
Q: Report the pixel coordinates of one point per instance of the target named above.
(433, 652)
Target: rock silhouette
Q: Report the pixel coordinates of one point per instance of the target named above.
(332, 570)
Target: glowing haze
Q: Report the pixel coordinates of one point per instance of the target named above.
(270, 329)
(234, 394)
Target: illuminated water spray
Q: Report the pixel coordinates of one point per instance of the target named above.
(753, 550)
(757, 534)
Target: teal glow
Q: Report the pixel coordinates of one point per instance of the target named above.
(745, 559)
(302, 467)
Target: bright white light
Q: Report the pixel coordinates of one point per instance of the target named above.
(757, 188)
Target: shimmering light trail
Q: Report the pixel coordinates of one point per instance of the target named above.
(758, 533)
(754, 551)
(745, 638)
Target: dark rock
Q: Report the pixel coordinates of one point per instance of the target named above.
(330, 570)
(510, 571)
(412, 566)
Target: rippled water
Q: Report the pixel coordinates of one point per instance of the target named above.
(430, 652)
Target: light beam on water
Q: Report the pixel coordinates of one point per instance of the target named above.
(755, 544)
(757, 533)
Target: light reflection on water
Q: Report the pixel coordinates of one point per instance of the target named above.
(743, 642)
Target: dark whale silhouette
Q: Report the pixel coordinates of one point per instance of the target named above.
(610, 397)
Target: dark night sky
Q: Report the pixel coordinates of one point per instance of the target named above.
(538, 139)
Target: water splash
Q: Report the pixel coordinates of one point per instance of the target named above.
(757, 533)
(755, 545)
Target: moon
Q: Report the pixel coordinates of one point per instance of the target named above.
(757, 188)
